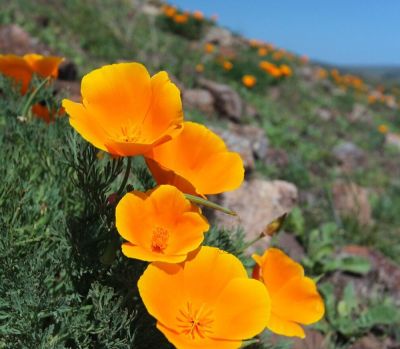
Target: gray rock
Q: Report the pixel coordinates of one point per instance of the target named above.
(200, 99)
(227, 101)
(257, 203)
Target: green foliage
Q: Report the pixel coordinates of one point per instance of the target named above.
(350, 318)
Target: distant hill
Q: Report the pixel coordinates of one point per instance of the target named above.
(375, 74)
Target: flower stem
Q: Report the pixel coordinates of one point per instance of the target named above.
(204, 202)
(32, 96)
(126, 176)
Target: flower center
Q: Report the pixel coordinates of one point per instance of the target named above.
(130, 135)
(159, 240)
(195, 322)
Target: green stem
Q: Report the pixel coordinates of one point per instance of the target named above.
(32, 96)
(126, 176)
(204, 202)
(248, 244)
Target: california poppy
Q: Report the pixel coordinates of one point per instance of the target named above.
(160, 225)
(294, 297)
(197, 162)
(125, 111)
(22, 68)
(249, 81)
(206, 302)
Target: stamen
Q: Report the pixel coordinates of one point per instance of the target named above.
(195, 322)
(159, 241)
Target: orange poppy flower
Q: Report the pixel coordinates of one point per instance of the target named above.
(22, 68)
(125, 111)
(42, 112)
(382, 128)
(209, 48)
(262, 51)
(199, 68)
(294, 298)
(196, 162)
(285, 70)
(227, 65)
(206, 302)
(198, 15)
(249, 81)
(169, 11)
(160, 225)
(180, 18)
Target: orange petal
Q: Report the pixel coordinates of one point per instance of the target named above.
(242, 311)
(44, 66)
(185, 342)
(165, 115)
(138, 252)
(132, 219)
(161, 289)
(85, 124)
(200, 157)
(208, 271)
(118, 95)
(188, 233)
(298, 301)
(277, 269)
(285, 327)
(18, 69)
(164, 176)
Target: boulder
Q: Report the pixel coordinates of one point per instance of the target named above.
(349, 156)
(351, 200)
(227, 101)
(200, 99)
(257, 202)
(219, 36)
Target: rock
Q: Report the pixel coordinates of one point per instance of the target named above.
(15, 40)
(351, 200)
(371, 342)
(324, 114)
(306, 73)
(219, 36)
(359, 113)
(227, 101)
(384, 272)
(257, 203)
(238, 143)
(349, 155)
(151, 10)
(393, 140)
(251, 112)
(249, 141)
(288, 243)
(256, 136)
(199, 99)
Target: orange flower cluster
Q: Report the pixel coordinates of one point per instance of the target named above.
(276, 71)
(181, 17)
(21, 70)
(348, 81)
(207, 298)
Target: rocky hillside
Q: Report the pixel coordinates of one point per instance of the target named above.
(321, 144)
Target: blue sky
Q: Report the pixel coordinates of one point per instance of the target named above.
(365, 32)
